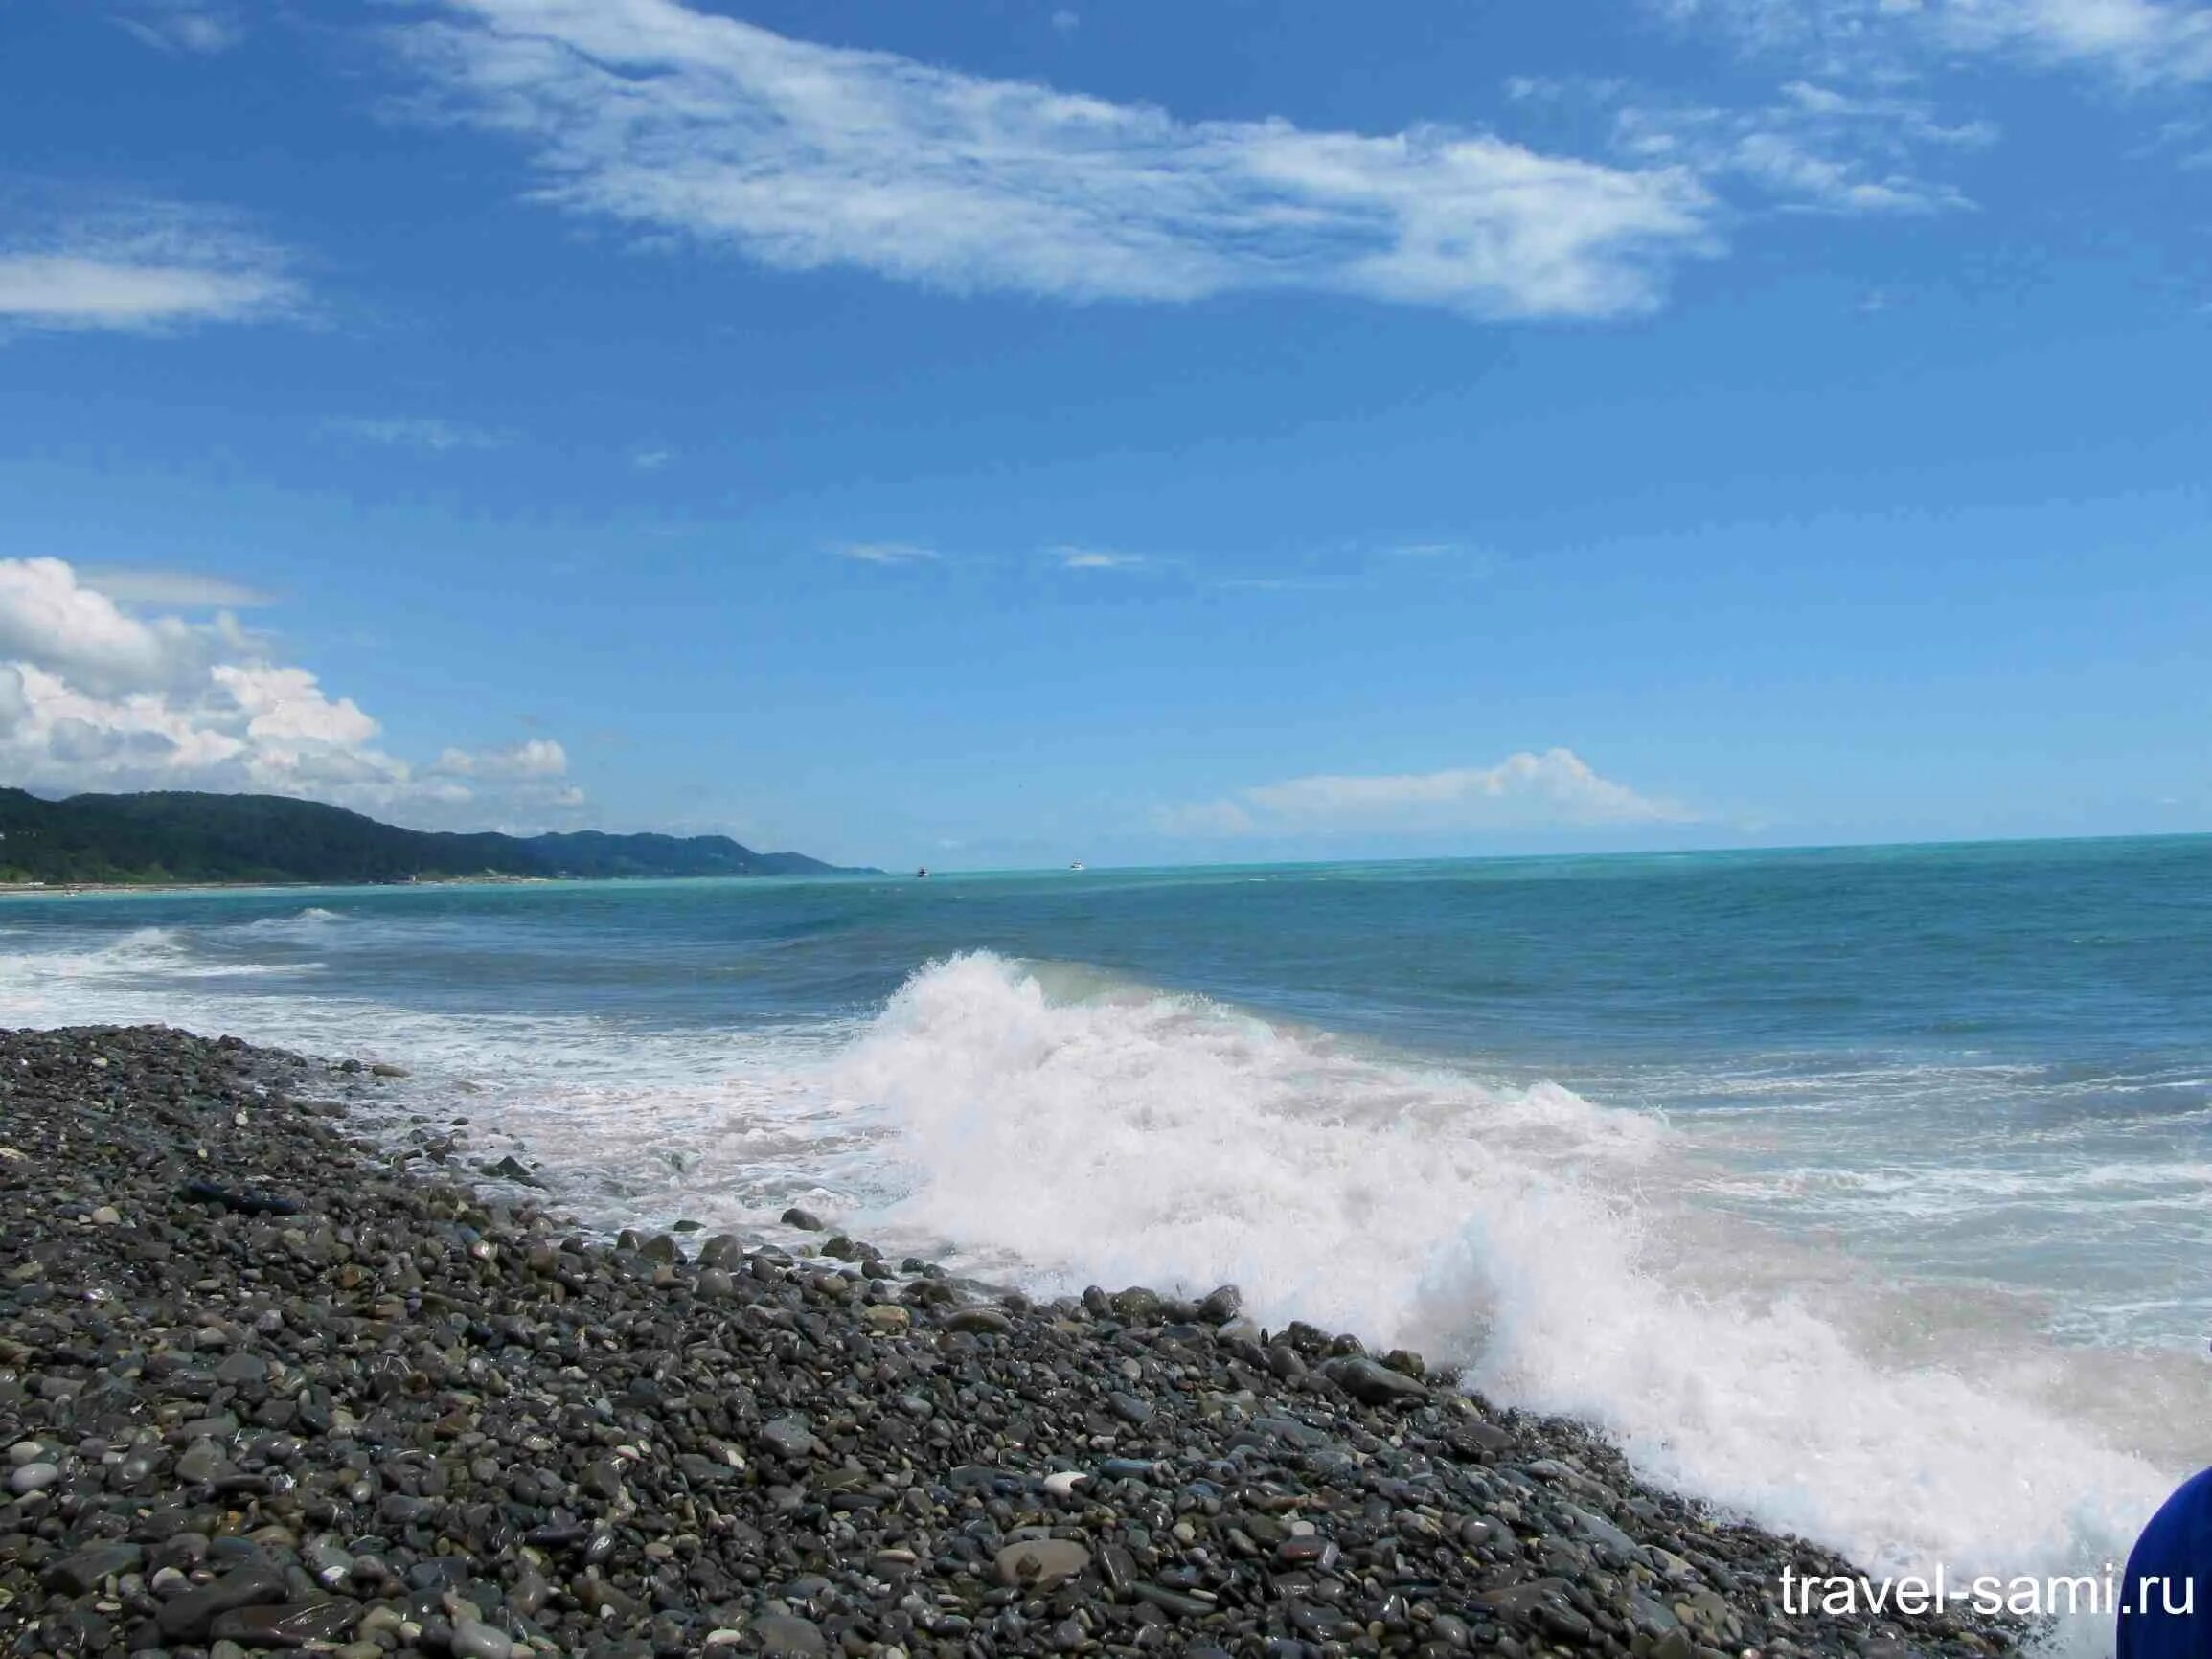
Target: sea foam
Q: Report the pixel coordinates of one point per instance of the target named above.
(1132, 1136)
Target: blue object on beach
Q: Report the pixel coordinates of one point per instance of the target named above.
(2169, 1618)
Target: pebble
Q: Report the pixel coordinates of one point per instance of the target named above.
(1040, 1563)
(352, 1404)
(34, 1478)
(476, 1641)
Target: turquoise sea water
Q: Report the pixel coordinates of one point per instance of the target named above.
(1867, 1190)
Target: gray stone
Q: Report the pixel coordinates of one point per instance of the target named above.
(237, 1369)
(1129, 1409)
(1371, 1382)
(1040, 1563)
(476, 1641)
(83, 1572)
(296, 1624)
(192, 1616)
(782, 1636)
(790, 1438)
(34, 1478)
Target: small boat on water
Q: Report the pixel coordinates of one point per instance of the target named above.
(922, 872)
(1076, 865)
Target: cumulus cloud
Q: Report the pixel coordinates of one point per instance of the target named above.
(95, 696)
(142, 266)
(654, 115)
(1556, 788)
(536, 758)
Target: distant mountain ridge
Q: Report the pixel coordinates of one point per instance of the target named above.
(183, 835)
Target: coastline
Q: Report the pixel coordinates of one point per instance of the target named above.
(416, 1411)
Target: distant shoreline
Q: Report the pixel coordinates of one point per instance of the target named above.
(75, 889)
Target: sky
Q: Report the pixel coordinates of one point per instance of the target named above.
(995, 433)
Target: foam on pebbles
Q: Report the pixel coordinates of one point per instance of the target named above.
(296, 1395)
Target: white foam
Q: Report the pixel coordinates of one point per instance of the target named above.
(1154, 1139)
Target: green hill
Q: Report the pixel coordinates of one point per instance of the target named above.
(184, 836)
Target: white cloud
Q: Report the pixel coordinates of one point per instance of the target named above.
(179, 26)
(420, 432)
(180, 589)
(883, 552)
(535, 757)
(1527, 789)
(800, 156)
(96, 697)
(1811, 147)
(142, 266)
(1095, 559)
(650, 460)
(2140, 43)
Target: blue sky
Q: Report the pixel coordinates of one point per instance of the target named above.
(999, 433)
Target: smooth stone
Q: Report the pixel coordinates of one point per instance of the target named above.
(83, 1572)
(979, 1321)
(192, 1615)
(1129, 1409)
(1041, 1563)
(294, 1624)
(782, 1636)
(1221, 1305)
(34, 1478)
(1118, 1568)
(790, 1438)
(473, 1639)
(241, 1368)
(1371, 1382)
(1173, 1602)
(1308, 1550)
(806, 1221)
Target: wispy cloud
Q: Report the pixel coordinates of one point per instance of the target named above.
(175, 589)
(2137, 42)
(654, 115)
(181, 26)
(650, 460)
(883, 552)
(145, 265)
(1811, 147)
(1095, 559)
(429, 432)
(1556, 788)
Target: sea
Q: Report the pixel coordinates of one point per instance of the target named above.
(1866, 1192)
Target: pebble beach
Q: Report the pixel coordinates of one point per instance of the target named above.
(276, 1373)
